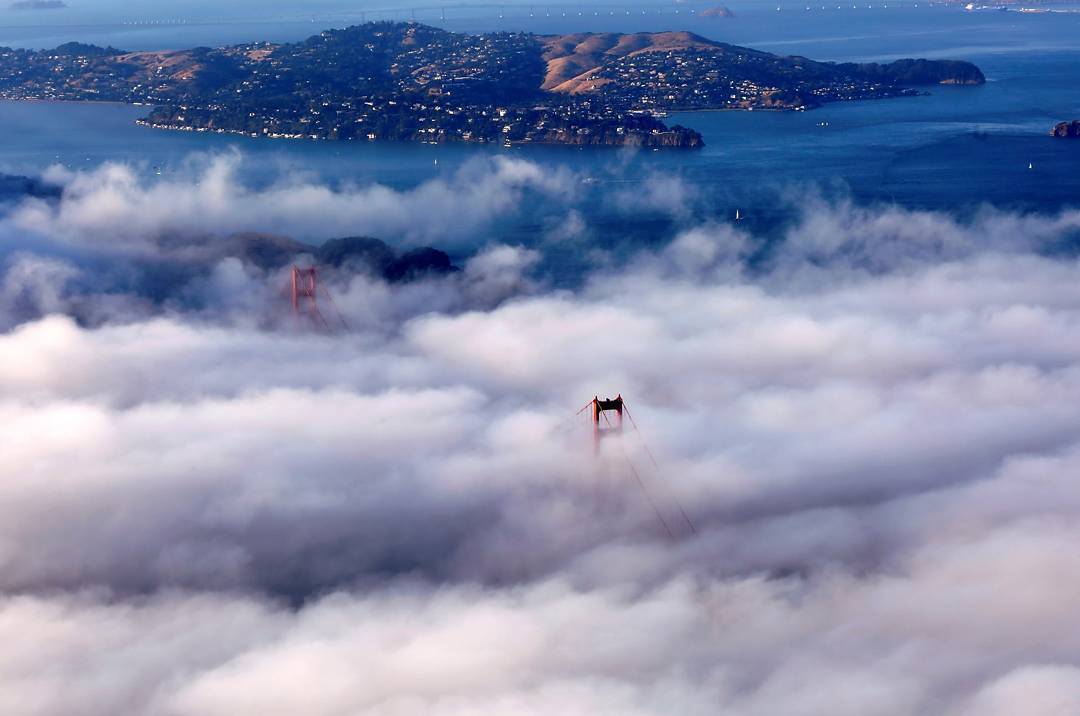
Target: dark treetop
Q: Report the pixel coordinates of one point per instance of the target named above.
(1069, 130)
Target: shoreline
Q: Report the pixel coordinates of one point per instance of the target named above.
(463, 142)
(101, 102)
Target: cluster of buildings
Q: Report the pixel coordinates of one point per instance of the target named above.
(726, 78)
(412, 82)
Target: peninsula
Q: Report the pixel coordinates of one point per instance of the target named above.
(406, 81)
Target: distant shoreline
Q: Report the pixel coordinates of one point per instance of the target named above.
(42, 100)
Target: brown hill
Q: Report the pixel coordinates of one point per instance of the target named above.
(571, 58)
(173, 65)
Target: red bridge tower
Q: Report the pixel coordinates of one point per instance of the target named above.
(600, 409)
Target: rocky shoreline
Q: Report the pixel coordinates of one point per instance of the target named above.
(1067, 130)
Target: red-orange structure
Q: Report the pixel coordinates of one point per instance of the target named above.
(304, 288)
(600, 408)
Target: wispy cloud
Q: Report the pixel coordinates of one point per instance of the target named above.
(872, 433)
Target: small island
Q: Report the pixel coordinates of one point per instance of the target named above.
(1067, 130)
(718, 11)
(407, 81)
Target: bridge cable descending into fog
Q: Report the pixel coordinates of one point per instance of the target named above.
(596, 413)
(304, 290)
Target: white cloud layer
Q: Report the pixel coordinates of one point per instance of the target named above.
(874, 437)
(113, 208)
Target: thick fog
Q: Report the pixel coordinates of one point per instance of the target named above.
(862, 502)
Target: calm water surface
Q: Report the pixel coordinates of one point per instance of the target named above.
(954, 149)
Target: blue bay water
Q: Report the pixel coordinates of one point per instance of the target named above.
(954, 149)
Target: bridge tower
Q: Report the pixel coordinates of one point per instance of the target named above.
(305, 291)
(600, 409)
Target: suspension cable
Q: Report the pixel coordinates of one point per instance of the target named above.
(667, 487)
(333, 305)
(566, 421)
(641, 483)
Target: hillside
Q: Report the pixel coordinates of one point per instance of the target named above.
(570, 58)
(405, 81)
(681, 70)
